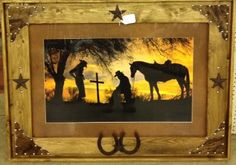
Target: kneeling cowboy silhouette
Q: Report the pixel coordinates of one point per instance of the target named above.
(124, 87)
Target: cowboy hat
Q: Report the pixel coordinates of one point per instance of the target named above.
(118, 73)
(83, 62)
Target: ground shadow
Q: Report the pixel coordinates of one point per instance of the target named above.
(157, 110)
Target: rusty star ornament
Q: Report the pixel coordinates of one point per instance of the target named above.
(117, 13)
(20, 82)
(218, 81)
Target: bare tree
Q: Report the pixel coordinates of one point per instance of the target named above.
(58, 51)
(165, 46)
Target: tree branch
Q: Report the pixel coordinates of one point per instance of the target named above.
(49, 69)
(62, 62)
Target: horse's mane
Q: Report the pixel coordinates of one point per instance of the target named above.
(173, 68)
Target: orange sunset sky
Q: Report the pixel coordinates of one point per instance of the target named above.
(139, 52)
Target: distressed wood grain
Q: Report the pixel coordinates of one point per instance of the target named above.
(17, 60)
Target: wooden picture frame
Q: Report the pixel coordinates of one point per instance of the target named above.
(26, 26)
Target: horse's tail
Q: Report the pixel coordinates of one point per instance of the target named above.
(187, 82)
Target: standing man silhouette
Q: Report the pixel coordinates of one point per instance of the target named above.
(77, 73)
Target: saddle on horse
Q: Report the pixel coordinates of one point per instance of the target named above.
(168, 67)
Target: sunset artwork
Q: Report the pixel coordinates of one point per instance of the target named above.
(119, 79)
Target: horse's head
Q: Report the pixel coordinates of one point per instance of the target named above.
(133, 69)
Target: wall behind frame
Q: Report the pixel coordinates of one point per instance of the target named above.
(234, 88)
(1, 65)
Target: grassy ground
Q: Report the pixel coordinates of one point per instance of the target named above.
(163, 110)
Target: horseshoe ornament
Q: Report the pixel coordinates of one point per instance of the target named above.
(136, 148)
(108, 153)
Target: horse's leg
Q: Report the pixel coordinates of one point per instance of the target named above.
(151, 90)
(186, 84)
(181, 85)
(157, 90)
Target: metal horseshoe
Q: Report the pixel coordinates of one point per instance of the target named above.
(137, 146)
(108, 153)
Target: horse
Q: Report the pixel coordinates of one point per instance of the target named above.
(156, 72)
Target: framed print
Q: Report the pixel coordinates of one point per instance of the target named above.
(118, 80)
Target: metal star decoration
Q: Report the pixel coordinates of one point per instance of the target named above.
(21, 82)
(218, 81)
(117, 13)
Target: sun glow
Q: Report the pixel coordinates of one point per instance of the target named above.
(139, 52)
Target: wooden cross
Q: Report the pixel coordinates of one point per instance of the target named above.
(97, 84)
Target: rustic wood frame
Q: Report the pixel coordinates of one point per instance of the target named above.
(22, 146)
